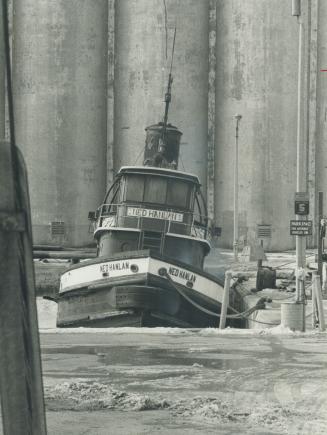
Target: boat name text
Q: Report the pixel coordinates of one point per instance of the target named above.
(180, 273)
(110, 267)
(155, 214)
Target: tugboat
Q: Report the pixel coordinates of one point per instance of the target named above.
(152, 234)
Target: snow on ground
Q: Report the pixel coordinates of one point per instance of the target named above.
(277, 330)
(251, 412)
(247, 382)
(47, 313)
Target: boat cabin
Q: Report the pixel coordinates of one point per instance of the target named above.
(154, 208)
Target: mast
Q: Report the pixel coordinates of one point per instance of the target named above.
(163, 139)
(162, 145)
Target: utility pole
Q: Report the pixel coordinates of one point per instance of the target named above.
(301, 182)
(235, 242)
(21, 387)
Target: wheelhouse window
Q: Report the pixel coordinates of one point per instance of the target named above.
(155, 190)
(178, 194)
(163, 191)
(134, 188)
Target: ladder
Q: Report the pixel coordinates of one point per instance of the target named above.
(151, 240)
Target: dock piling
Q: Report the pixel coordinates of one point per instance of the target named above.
(317, 295)
(225, 302)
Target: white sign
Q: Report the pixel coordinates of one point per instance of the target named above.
(155, 214)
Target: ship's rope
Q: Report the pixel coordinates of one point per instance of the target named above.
(245, 314)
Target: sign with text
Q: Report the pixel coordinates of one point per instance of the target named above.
(301, 203)
(155, 214)
(300, 228)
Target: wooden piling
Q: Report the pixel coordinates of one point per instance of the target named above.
(318, 295)
(324, 278)
(21, 386)
(314, 301)
(225, 302)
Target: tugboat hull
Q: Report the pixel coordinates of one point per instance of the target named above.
(132, 290)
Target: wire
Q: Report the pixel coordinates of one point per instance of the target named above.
(263, 323)
(180, 158)
(142, 149)
(166, 27)
(248, 312)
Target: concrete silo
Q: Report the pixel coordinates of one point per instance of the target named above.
(60, 75)
(143, 35)
(321, 101)
(2, 81)
(257, 64)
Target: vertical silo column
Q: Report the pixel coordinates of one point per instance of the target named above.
(111, 92)
(2, 80)
(60, 78)
(143, 40)
(321, 95)
(257, 57)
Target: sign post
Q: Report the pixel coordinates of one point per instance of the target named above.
(300, 228)
(301, 162)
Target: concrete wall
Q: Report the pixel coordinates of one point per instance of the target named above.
(2, 81)
(60, 79)
(257, 58)
(143, 38)
(321, 95)
(73, 113)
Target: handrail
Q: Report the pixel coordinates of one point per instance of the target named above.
(113, 212)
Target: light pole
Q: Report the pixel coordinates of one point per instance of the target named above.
(235, 242)
(301, 166)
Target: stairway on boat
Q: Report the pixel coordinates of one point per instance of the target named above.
(151, 240)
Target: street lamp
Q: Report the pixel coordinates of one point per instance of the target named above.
(235, 242)
(301, 164)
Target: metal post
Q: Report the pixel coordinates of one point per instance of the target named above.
(314, 300)
(317, 289)
(319, 237)
(300, 171)
(225, 301)
(235, 242)
(324, 275)
(259, 264)
(301, 182)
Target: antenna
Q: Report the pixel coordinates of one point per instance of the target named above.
(170, 81)
(167, 99)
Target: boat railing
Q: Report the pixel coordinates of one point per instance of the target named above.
(179, 222)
